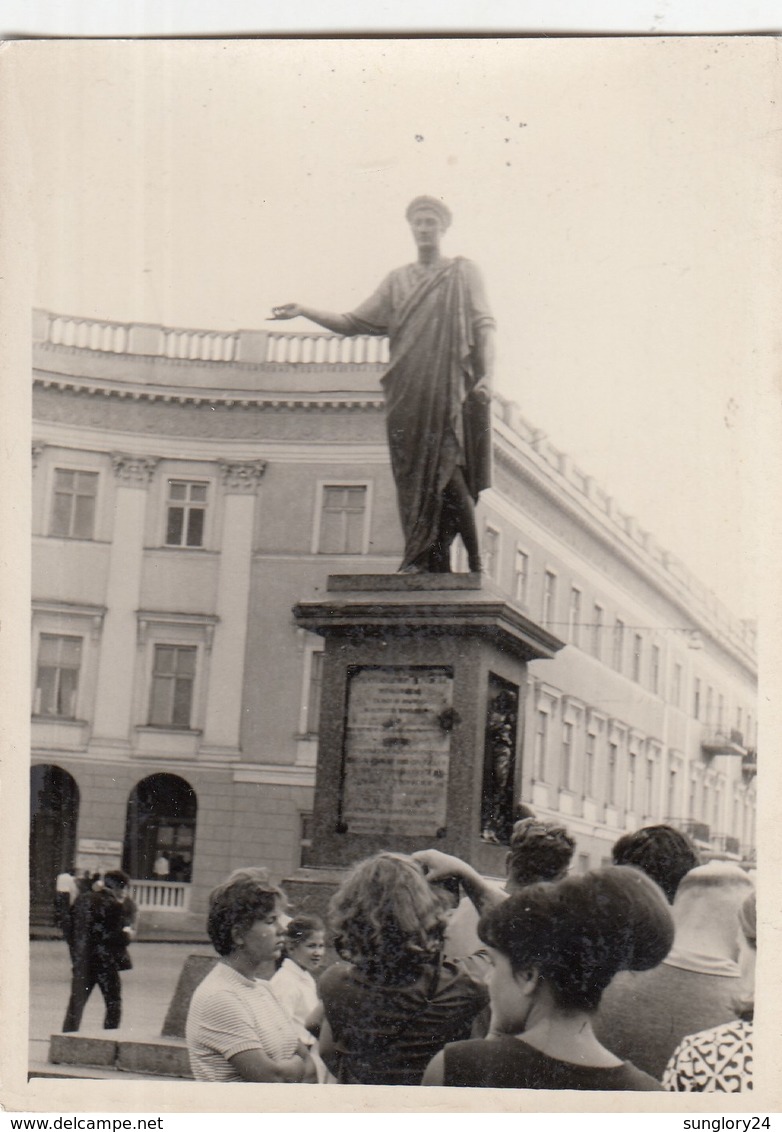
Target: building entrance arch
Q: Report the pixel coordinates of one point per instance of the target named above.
(54, 816)
(160, 827)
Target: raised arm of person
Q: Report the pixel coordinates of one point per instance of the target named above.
(336, 323)
(254, 1065)
(439, 866)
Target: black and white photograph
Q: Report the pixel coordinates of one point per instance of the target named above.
(397, 430)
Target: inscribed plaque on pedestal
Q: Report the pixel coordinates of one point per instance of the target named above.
(397, 749)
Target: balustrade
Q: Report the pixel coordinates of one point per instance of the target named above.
(163, 895)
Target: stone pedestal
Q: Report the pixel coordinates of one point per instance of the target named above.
(421, 727)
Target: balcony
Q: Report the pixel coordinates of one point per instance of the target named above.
(722, 741)
(725, 843)
(749, 764)
(698, 830)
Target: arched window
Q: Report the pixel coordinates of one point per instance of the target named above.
(54, 814)
(160, 827)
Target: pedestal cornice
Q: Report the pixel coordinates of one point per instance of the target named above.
(406, 610)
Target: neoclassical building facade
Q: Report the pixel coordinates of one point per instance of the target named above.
(189, 487)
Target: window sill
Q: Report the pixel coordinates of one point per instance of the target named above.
(76, 538)
(182, 550)
(161, 728)
(59, 720)
(166, 742)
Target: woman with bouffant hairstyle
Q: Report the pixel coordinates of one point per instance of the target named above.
(395, 1002)
(555, 948)
(236, 1029)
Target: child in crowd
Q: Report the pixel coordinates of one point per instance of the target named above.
(293, 982)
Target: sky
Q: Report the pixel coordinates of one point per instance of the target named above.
(617, 195)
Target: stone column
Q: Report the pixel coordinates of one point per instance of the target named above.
(222, 729)
(114, 694)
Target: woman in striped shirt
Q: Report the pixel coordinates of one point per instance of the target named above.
(237, 1030)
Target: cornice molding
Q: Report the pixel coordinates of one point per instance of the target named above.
(230, 399)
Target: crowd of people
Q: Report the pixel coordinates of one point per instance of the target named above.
(635, 976)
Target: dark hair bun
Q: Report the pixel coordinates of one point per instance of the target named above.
(581, 931)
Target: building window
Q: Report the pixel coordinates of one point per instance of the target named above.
(676, 685)
(549, 596)
(566, 767)
(314, 691)
(173, 676)
(589, 765)
(739, 719)
(574, 616)
(598, 614)
(59, 661)
(613, 757)
(521, 577)
(638, 644)
(631, 767)
(709, 704)
(73, 505)
(541, 744)
(185, 513)
(654, 670)
(490, 552)
(342, 519)
(671, 798)
(748, 736)
(618, 645)
(691, 797)
(649, 788)
(696, 698)
(305, 840)
(720, 711)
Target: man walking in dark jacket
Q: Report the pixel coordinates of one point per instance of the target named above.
(98, 940)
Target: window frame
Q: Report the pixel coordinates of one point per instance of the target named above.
(574, 614)
(317, 525)
(206, 509)
(596, 638)
(489, 529)
(76, 469)
(55, 717)
(549, 598)
(312, 649)
(618, 644)
(171, 725)
(522, 598)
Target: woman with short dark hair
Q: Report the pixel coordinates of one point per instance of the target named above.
(555, 948)
(236, 1029)
(397, 1002)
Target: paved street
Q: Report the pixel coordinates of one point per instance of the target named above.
(146, 990)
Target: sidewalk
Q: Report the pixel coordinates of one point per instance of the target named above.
(146, 994)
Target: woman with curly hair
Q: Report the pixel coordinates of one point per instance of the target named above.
(555, 948)
(396, 1002)
(237, 1030)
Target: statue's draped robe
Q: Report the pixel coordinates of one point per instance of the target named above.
(431, 316)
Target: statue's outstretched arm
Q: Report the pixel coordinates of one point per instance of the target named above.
(336, 323)
(484, 362)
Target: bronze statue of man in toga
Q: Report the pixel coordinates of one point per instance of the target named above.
(437, 389)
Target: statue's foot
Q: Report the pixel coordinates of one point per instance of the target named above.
(413, 568)
(475, 566)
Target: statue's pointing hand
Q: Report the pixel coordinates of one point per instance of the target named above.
(287, 310)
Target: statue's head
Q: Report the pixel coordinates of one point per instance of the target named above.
(428, 218)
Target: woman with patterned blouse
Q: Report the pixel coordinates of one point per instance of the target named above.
(720, 1060)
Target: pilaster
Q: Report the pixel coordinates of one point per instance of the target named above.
(240, 481)
(113, 700)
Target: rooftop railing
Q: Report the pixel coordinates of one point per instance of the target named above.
(292, 348)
